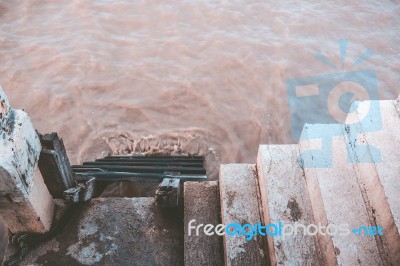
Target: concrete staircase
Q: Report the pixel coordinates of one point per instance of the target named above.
(336, 175)
(355, 183)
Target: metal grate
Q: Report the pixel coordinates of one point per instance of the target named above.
(152, 169)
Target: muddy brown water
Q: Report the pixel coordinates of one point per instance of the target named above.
(195, 77)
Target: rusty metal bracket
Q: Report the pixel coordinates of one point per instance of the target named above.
(54, 165)
(168, 192)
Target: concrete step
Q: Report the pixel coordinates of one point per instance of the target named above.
(336, 196)
(240, 203)
(202, 206)
(115, 231)
(285, 199)
(377, 168)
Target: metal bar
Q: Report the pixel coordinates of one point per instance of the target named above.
(140, 169)
(105, 176)
(152, 159)
(129, 163)
(155, 157)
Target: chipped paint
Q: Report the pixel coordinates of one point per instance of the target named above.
(87, 255)
(101, 245)
(88, 230)
(142, 211)
(104, 238)
(19, 153)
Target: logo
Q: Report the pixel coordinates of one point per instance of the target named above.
(368, 231)
(279, 229)
(334, 99)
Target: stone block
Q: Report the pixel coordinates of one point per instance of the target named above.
(25, 203)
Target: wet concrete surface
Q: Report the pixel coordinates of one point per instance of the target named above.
(116, 231)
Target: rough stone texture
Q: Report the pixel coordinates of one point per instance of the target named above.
(380, 181)
(285, 198)
(3, 239)
(19, 154)
(32, 214)
(25, 202)
(240, 203)
(116, 231)
(201, 202)
(336, 198)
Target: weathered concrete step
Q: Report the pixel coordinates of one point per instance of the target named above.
(377, 167)
(202, 206)
(336, 196)
(115, 231)
(285, 199)
(25, 202)
(240, 204)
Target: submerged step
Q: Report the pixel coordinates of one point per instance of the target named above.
(285, 199)
(336, 197)
(202, 207)
(240, 205)
(377, 167)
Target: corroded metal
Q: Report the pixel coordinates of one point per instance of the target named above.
(167, 194)
(171, 171)
(54, 165)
